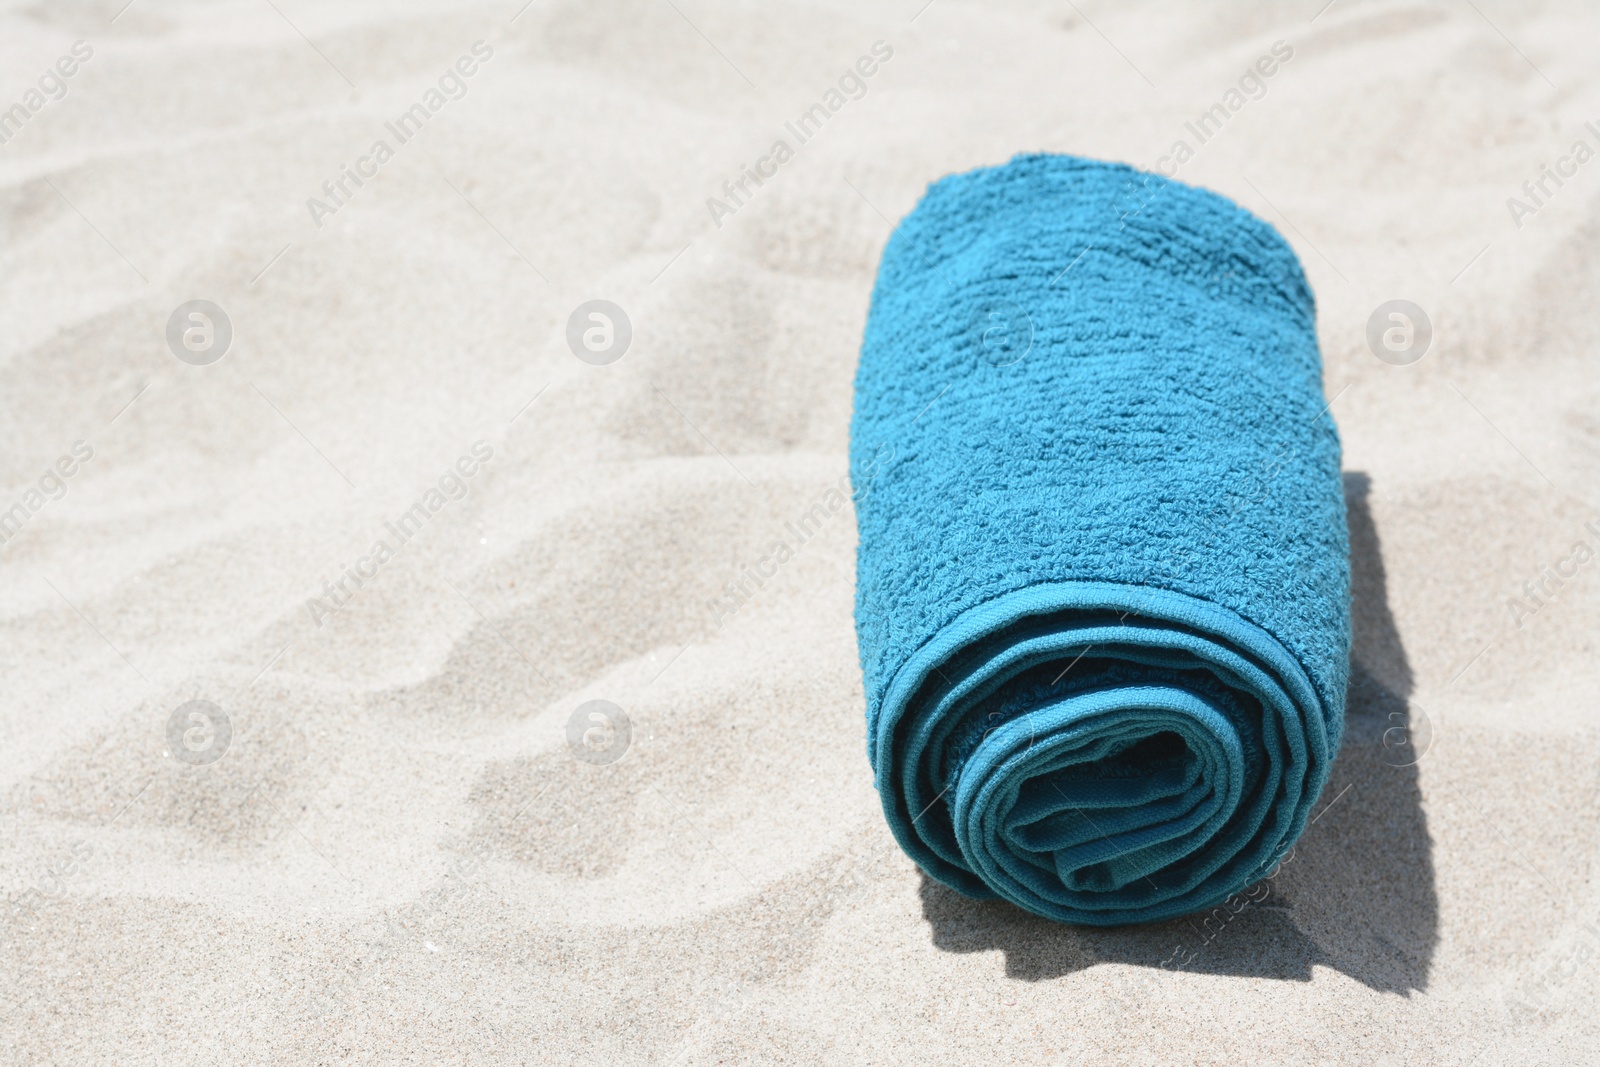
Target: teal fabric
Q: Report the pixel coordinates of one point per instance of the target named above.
(1102, 584)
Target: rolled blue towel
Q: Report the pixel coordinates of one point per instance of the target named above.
(1102, 592)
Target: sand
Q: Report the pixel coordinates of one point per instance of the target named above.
(392, 854)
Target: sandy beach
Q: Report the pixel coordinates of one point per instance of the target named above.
(393, 395)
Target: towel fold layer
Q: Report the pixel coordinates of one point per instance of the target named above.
(1102, 596)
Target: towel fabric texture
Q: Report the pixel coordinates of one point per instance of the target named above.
(1102, 584)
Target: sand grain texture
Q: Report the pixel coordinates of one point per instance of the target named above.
(398, 860)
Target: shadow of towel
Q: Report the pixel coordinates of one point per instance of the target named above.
(1357, 892)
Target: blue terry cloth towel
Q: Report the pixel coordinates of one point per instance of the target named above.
(1102, 589)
